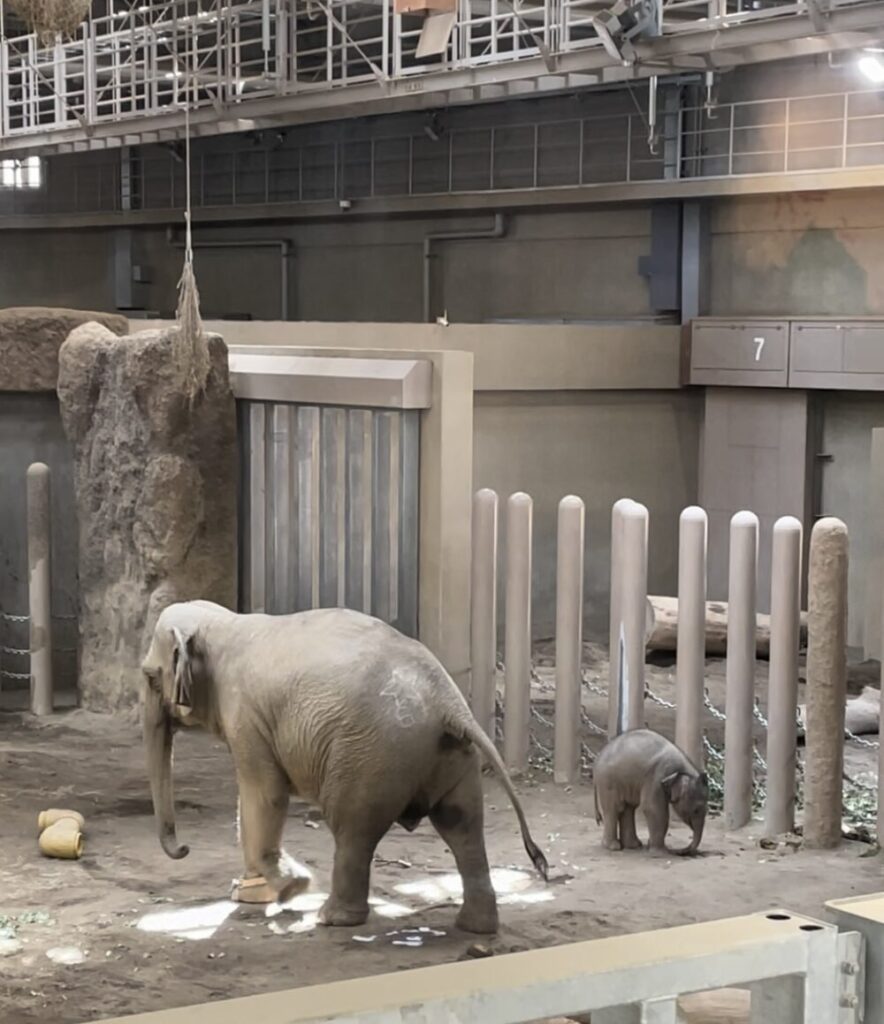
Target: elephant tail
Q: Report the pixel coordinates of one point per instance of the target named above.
(598, 813)
(473, 731)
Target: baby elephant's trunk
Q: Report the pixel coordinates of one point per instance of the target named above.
(696, 835)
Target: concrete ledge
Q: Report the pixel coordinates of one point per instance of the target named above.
(274, 375)
(508, 357)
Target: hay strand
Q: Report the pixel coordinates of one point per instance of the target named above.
(49, 18)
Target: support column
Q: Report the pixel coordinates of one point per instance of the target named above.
(690, 671)
(785, 599)
(633, 617)
(40, 587)
(826, 683)
(740, 672)
(614, 630)
(517, 638)
(483, 630)
(569, 637)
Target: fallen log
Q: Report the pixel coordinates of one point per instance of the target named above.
(661, 627)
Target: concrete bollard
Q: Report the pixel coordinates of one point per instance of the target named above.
(690, 671)
(569, 637)
(740, 672)
(826, 683)
(633, 600)
(782, 733)
(517, 632)
(483, 621)
(614, 630)
(39, 587)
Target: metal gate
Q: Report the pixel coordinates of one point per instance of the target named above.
(329, 509)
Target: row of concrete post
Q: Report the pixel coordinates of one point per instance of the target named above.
(826, 656)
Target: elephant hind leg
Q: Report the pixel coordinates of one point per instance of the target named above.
(459, 820)
(355, 844)
(263, 805)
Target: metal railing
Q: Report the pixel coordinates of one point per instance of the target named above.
(828, 131)
(142, 60)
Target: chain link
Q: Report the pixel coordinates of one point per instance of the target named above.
(14, 675)
(6, 617)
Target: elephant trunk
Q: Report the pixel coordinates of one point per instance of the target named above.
(158, 747)
(697, 835)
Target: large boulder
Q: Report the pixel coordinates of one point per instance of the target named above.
(30, 337)
(155, 479)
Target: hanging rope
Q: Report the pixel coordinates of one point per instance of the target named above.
(191, 350)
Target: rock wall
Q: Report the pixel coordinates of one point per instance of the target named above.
(30, 338)
(155, 482)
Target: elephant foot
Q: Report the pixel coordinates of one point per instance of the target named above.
(252, 890)
(478, 920)
(632, 844)
(336, 915)
(659, 851)
(292, 887)
(613, 844)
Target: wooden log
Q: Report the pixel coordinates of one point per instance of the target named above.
(861, 714)
(661, 627)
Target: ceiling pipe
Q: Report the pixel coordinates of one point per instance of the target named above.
(497, 230)
(283, 244)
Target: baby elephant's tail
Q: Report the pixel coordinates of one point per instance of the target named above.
(595, 796)
(474, 732)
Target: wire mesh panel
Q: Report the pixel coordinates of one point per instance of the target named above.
(329, 510)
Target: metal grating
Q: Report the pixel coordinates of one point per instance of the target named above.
(329, 510)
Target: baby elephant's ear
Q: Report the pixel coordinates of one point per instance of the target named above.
(669, 783)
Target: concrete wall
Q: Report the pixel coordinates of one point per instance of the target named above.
(601, 446)
(803, 254)
(847, 423)
(549, 265)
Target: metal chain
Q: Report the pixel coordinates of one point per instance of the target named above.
(14, 675)
(871, 744)
(6, 617)
(21, 651)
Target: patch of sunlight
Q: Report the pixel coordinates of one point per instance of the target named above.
(511, 887)
(305, 923)
(303, 903)
(392, 910)
(193, 923)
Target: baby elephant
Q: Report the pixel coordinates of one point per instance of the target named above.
(641, 768)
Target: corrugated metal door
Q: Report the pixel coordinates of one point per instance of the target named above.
(329, 510)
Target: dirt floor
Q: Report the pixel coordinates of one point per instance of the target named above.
(126, 930)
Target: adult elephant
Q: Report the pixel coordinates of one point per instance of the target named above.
(340, 710)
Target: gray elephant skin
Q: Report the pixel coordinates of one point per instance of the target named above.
(642, 769)
(340, 710)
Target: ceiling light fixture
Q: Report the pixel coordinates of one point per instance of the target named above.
(872, 66)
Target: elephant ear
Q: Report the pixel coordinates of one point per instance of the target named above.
(672, 785)
(182, 686)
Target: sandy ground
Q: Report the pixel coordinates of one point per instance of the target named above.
(154, 933)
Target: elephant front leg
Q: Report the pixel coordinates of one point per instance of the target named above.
(655, 808)
(270, 873)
